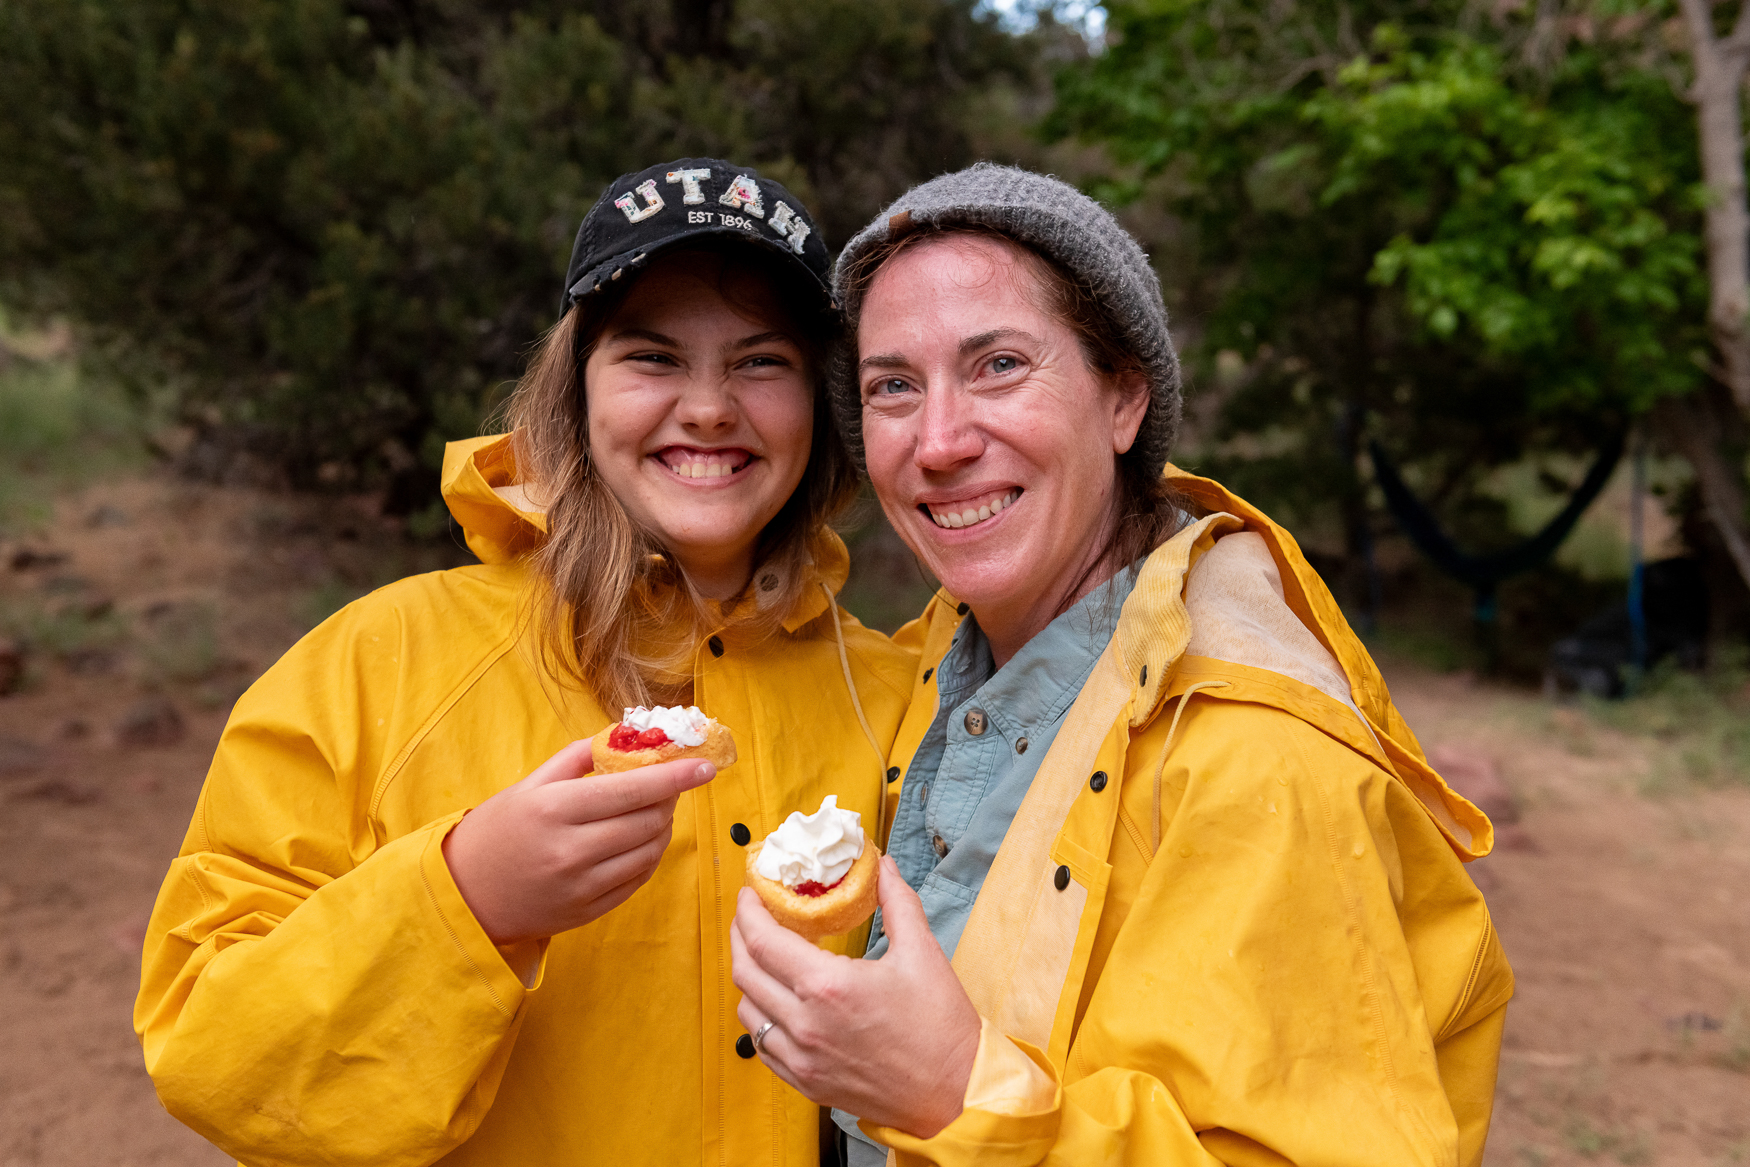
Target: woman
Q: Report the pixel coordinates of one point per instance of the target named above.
(1170, 880)
(404, 926)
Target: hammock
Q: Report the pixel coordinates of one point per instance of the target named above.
(1484, 572)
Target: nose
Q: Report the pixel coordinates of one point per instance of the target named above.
(706, 405)
(947, 433)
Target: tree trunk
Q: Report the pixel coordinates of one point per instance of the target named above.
(1719, 78)
(1719, 75)
(1685, 424)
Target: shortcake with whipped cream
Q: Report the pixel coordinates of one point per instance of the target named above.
(665, 733)
(816, 873)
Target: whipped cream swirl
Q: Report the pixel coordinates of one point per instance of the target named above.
(812, 848)
(684, 725)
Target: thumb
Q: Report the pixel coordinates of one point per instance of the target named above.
(902, 913)
(574, 761)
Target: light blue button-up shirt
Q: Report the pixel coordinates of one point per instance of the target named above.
(993, 728)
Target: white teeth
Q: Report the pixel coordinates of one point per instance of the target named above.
(954, 520)
(705, 468)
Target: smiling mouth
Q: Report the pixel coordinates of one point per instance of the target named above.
(689, 463)
(955, 516)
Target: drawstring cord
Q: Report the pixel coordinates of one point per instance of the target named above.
(838, 633)
(1172, 730)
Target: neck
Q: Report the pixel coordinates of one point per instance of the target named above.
(1009, 627)
(718, 577)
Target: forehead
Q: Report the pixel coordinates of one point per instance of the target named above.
(952, 280)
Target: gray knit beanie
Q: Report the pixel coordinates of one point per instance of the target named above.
(1061, 223)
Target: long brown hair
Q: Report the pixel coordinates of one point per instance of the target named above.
(614, 603)
(1146, 510)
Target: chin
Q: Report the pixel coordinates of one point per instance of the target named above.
(980, 583)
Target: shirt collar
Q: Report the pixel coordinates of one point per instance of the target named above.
(1042, 680)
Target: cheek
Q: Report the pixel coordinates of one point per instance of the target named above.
(885, 442)
(784, 419)
(617, 417)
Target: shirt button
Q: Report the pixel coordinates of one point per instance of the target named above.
(740, 834)
(1021, 746)
(941, 847)
(744, 1046)
(975, 722)
(923, 793)
(715, 644)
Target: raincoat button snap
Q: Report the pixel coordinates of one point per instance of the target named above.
(941, 847)
(1061, 879)
(715, 644)
(1021, 746)
(893, 773)
(1143, 680)
(744, 1045)
(1098, 782)
(963, 609)
(740, 834)
(927, 674)
(975, 722)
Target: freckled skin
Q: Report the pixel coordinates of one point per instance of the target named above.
(970, 390)
(700, 360)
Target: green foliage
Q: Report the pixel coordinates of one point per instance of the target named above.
(1385, 221)
(59, 428)
(334, 228)
(1565, 235)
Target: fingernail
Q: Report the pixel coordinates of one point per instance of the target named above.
(706, 771)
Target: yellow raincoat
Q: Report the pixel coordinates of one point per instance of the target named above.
(315, 989)
(1230, 922)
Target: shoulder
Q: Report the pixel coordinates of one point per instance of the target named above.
(870, 651)
(454, 612)
(417, 637)
(1246, 754)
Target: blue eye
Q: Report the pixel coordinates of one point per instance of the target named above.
(1004, 364)
(890, 385)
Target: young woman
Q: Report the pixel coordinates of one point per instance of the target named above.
(407, 923)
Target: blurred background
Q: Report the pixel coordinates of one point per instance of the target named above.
(1460, 287)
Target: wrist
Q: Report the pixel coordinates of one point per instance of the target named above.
(459, 857)
(946, 1099)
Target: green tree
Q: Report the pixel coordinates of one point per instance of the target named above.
(1395, 222)
(334, 228)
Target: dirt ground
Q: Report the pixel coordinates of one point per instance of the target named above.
(1624, 912)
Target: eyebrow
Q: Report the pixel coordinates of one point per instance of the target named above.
(646, 335)
(772, 337)
(884, 361)
(970, 344)
(985, 339)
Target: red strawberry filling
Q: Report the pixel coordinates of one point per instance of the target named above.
(623, 737)
(809, 887)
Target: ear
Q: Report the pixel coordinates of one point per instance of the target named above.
(1129, 406)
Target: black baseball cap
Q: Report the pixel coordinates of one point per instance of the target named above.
(659, 208)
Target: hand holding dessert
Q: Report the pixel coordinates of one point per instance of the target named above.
(816, 872)
(892, 1040)
(552, 853)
